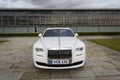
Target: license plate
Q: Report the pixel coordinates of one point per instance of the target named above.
(56, 61)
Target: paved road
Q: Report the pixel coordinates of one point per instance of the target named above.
(16, 62)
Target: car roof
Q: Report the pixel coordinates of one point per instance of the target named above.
(58, 28)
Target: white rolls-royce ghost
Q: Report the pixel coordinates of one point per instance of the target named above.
(59, 48)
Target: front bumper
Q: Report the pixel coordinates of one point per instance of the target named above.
(65, 66)
(76, 62)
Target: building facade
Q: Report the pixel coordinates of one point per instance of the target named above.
(80, 20)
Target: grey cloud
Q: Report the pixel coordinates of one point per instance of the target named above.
(57, 4)
(40, 3)
(14, 0)
(60, 3)
(2, 5)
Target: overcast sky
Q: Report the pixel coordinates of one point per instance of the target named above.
(60, 4)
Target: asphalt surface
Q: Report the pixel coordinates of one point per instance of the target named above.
(16, 62)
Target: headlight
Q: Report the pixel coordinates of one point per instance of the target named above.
(79, 49)
(39, 49)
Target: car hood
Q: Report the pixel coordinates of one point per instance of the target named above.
(59, 42)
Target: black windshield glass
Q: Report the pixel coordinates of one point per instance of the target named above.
(58, 33)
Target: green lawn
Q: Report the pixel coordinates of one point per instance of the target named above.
(1, 41)
(110, 43)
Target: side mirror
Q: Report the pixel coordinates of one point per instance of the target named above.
(40, 35)
(76, 34)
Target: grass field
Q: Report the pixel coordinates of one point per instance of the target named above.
(1, 41)
(110, 43)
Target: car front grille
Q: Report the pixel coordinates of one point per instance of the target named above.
(59, 54)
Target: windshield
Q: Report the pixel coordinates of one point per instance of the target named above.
(58, 33)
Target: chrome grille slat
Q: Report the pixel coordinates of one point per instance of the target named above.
(59, 54)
